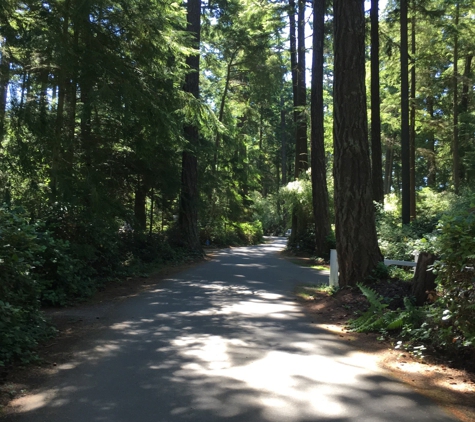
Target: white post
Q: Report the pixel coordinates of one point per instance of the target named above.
(416, 256)
(333, 268)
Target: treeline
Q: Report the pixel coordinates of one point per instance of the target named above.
(92, 115)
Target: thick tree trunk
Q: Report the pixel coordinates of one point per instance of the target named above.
(464, 115)
(61, 97)
(189, 195)
(357, 244)
(4, 81)
(301, 148)
(376, 150)
(455, 140)
(412, 137)
(293, 55)
(318, 164)
(424, 279)
(405, 154)
(299, 226)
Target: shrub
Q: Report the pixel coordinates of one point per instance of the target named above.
(232, 234)
(21, 323)
(250, 233)
(400, 242)
(271, 211)
(456, 276)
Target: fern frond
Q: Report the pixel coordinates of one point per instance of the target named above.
(397, 323)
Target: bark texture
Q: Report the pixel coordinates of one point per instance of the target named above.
(4, 81)
(188, 213)
(293, 55)
(405, 170)
(424, 279)
(318, 164)
(357, 245)
(301, 147)
(455, 140)
(412, 132)
(376, 149)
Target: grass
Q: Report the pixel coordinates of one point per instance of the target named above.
(309, 291)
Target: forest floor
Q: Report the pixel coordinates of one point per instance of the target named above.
(432, 376)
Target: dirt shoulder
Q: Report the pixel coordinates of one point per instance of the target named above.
(432, 376)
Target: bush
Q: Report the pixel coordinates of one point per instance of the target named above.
(271, 211)
(21, 323)
(232, 234)
(250, 233)
(400, 242)
(456, 276)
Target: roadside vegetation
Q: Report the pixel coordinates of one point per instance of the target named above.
(443, 325)
(64, 257)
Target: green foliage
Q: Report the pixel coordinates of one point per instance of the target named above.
(298, 198)
(399, 241)
(378, 318)
(398, 273)
(21, 323)
(380, 272)
(271, 211)
(309, 291)
(456, 277)
(232, 234)
(373, 318)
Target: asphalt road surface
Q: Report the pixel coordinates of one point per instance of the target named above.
(224, 341)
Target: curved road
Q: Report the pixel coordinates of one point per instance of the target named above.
(224, 341)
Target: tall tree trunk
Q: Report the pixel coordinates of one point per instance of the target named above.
(140, 201)
(43, 103)
(318, 165)
(152, 203)
(431, 161)
(283, 141)
(299, 224)
(455, 140)
(189, 195)
(388, 168)
(405, 160)
(4, 81)
(222, 107)
(464, 116)
(301, 148)
(397, 175)
(293, 57)
(357, 243)
(412, 137)
(466, 83)
(61, 96)
(376, 150)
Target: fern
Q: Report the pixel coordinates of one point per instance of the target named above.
(377, 317)
(397, 323)
(373, 317)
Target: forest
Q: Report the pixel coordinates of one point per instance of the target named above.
(134, 133)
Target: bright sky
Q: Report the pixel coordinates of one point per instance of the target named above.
(382, 5)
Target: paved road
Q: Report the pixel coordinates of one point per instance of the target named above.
(223, 342)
